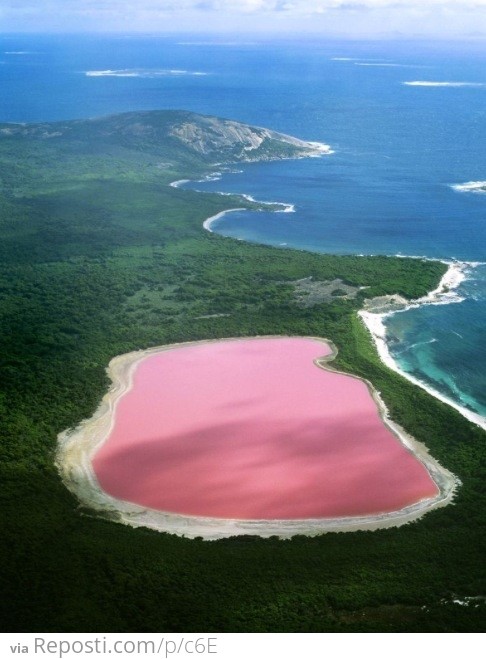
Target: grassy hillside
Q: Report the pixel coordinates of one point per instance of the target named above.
(100, 256)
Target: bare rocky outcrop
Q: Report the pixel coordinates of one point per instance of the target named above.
(208, 135)
(199, 137)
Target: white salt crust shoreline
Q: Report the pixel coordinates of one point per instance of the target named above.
(76, 448)
(443, 294)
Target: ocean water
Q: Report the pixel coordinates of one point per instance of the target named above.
(406, 121)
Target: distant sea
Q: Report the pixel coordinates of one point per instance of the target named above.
(406, 121)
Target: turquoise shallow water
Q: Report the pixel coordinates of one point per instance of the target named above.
(441, 344)
(386, 189)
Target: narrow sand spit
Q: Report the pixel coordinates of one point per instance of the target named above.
(77, 447)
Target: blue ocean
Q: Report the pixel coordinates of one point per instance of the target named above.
(406, 122)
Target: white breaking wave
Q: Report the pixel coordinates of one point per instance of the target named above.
(478, 187)
(19, 52)
(285, 208)
(142, 73)
(369, 61)
(177, 184)
(321, 149)
(419, 343)
(215, 176)
(444, 294)
(216, 43)
(358, 59)
(431, 83)
(390, 64)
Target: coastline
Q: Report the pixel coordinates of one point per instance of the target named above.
(321, 149)
(210, 220)
(76, 448)
(443, 294)
(373, 320)
(285, 208)
(216, 176)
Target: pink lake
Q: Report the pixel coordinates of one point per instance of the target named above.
(253, 429)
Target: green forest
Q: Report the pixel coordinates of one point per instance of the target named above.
(100, 256)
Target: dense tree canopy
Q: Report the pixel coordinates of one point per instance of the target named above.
(99, 256)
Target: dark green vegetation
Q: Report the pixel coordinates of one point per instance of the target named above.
(99, 257)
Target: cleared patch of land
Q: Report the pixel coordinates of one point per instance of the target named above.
(90, 230)
(309, 292)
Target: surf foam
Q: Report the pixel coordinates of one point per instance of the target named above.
(477, 187)
(432, 83)
(445, 293)
(142, 73)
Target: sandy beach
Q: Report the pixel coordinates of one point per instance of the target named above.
(210, 220)
(377, 309)
(443, 294)
(77, 447)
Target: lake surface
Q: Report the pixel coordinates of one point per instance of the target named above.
(254, 429)
(400, 149)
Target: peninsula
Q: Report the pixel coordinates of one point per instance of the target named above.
(101, 257)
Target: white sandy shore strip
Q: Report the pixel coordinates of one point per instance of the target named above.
(319, 149)
(316, 150)
(177, 184)
(77, 447)
(209, 221)
(443, 294)
(286, 208)
(283, 207)
(213, 176)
